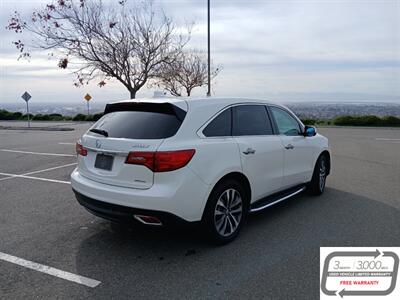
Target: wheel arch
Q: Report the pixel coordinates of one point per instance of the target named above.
(238, 176)
(242, 179)
(328, 156)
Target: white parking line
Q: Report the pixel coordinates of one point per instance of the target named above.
(35, 178)
(40, 171)
(38, 153)
(385, 139)
(67, 143)
(49, 270)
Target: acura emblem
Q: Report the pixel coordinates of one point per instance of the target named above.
(98, 144)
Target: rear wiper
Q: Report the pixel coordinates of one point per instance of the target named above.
(99, 131)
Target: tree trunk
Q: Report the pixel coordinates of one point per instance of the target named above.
(133, 93)
(188, 91)
(175, 94)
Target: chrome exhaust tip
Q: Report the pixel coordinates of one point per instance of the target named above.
(148, 220)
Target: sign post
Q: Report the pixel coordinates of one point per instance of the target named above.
(208, 51)
(26, 97)
(87, 98)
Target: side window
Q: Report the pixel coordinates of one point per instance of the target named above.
(286, 124)
(251, 120)
(221, 125)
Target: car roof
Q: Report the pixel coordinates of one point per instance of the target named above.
(223, 101)
(185, 103)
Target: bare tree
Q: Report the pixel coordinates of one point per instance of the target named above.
(187, 72)
(125, 40)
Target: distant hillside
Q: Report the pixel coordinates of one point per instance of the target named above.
(333, 110)
(65, 109)
(313, 110)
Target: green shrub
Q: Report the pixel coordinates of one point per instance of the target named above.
(366, 121)
(56, 117)
(79, 117)
(96, 117)
(17, 116)
(25, 117)
(369, 121)
(391, 121)
(343, 120)
(309, 121)
(5, 115)
(40, 117)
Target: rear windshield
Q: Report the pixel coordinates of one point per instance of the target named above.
(148, 122)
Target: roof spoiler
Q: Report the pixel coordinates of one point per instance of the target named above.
(165, 108)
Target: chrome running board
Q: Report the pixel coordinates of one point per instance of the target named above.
(278, 200)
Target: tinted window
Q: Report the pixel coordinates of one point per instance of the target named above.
(251, 120)
(221, 125)
(139, 124)
(286, 124)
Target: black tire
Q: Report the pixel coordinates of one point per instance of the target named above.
(317, 185)
(215, 217)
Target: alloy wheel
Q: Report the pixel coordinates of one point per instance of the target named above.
(322, 174)
(228, 212)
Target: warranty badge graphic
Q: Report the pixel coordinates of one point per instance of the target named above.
(357, 273)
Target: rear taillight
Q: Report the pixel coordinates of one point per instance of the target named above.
(172, 160)
(80, 150)
(162, 161)
(141, 158)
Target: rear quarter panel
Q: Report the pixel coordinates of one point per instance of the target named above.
(214, 157)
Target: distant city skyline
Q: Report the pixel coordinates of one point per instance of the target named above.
(281, 50)
(317, 110)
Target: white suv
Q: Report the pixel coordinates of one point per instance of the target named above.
(196, 160)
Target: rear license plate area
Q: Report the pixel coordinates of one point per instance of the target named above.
(104, 162)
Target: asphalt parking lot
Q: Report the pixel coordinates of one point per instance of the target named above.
(276, 255)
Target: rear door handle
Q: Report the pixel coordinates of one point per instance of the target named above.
(289, 146)
(249, 151)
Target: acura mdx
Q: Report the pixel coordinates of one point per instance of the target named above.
(210, 160)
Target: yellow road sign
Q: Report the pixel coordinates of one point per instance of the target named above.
(88, 97)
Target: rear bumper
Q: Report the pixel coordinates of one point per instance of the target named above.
(183, 197)
(124, 214)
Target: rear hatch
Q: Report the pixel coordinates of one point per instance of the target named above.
(127, 127)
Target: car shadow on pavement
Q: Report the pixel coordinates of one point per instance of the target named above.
(275, 256)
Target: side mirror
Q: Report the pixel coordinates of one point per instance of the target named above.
(309, 131)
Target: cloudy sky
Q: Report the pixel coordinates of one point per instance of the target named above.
(317, 50)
